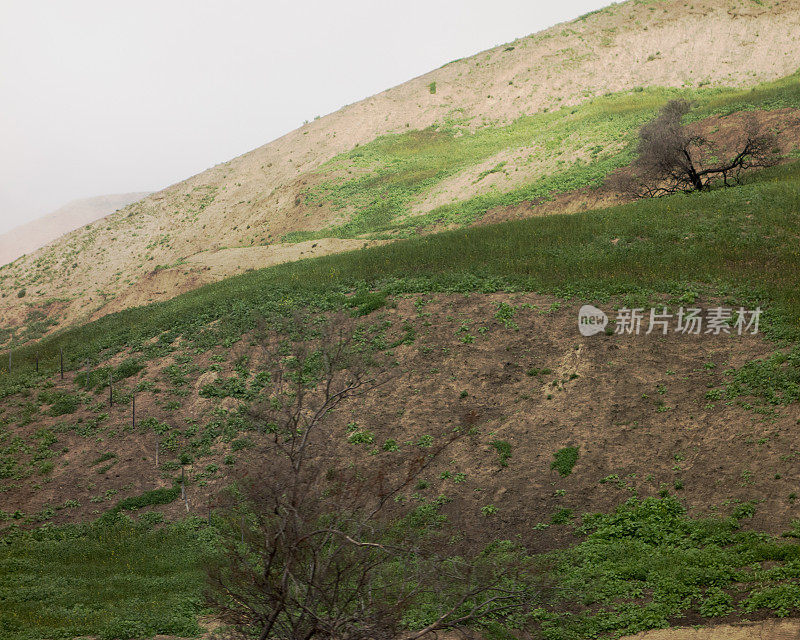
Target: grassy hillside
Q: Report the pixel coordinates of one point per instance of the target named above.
(112, 580)
(470, 337)
(648, 481)
(638, 568)
(738, 243)
(516, 123)
(379, 186)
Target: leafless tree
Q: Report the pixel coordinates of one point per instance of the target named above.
(674, 157)
(317, 545)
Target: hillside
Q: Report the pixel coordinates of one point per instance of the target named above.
(33, 235)
(481, 337)
(496, 117)
(394, 291)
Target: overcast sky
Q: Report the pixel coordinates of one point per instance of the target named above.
(101, 97)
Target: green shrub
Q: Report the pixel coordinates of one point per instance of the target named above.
(241, 443)
(562, 516)
(156, 496)
(564, 460)
(361, 437)
(127, 368)
(365, 302)
(503, 449)
(233, 387)
(715, 603)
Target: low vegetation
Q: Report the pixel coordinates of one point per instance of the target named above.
(633, 252)
(111, 579)
(376, 185)
(644, 565)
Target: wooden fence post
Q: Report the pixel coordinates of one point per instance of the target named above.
(184, 495)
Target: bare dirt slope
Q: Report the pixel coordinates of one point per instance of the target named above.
(78, 213)
(767, 630)
(187, 230)
(645, 412)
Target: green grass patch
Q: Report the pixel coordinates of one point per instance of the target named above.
(775, 380)
(637, 568)
(374, 185)
(153, 497)
(61, 402)
(739, 243)
(110, 580)
(648, 563)
(503, 449)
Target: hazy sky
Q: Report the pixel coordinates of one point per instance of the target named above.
(102, 97)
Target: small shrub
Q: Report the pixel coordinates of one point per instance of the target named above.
(156, 496)
(565, 460)
(425, 441)
(61, 403)
(242, 443)
(127, 368)
(361, 437)
(716, 603)
(103, 458)
(505, 314)
(562, 516)
(365, 302)
(503, 449)
(744, 510)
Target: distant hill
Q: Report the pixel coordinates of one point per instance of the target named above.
(37, 233)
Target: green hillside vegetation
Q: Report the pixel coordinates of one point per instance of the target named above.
(635, 569)
(374, 184)
(112, 578)
(738, 243)
(645, 565)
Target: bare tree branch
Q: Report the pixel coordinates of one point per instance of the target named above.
(673, 158)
